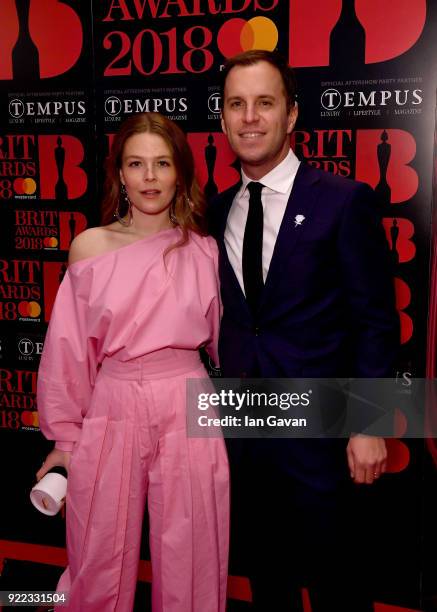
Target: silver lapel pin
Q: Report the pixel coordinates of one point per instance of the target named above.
(298, 220)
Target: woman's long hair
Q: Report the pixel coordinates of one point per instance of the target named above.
(189, 204)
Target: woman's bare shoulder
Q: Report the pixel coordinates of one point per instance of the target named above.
(91, 242)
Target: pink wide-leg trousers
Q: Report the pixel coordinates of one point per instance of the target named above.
(134, 444)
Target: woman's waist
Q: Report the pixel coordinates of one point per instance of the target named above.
(165, 363)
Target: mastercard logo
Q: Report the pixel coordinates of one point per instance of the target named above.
(50, 243)
(24, 186)
(238, 35)
(30, 418)
(29, 309)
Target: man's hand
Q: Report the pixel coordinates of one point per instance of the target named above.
(367, 458)
(54, 458)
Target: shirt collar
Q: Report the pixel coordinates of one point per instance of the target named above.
(280, 178)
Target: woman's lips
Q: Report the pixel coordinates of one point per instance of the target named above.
(151, 192)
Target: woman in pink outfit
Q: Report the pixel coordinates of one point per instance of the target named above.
(139, 298)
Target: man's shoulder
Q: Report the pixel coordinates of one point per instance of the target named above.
(336, 183)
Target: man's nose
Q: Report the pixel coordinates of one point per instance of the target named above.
(250, 113)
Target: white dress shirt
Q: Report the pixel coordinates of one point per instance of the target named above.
(277, 188)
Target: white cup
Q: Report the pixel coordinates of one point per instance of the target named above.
(48, 495)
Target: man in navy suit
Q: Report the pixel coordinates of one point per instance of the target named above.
(307, 292)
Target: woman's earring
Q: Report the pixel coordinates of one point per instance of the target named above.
(128, 203)
(189, 203)
(171, 212)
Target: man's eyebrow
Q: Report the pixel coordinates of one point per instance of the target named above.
(266, 95)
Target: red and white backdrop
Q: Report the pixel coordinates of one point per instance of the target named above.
(71, 70)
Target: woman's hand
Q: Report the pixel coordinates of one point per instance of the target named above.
(55, 458)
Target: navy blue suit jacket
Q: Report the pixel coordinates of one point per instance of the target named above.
(327, 308)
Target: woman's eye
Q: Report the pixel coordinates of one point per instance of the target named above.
(163, 163)
(134, 164)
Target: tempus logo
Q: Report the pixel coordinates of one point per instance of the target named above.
(41, 110)
(148, 102)
(29, 348)
(214, 103)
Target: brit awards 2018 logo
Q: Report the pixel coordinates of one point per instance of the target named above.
(370, 30)
(20, 290)
(47, 166)
(47, 229)
(189, 47)
(39, 39)
(18, 166)
(382, 158)
(18, 399)
(329, 150)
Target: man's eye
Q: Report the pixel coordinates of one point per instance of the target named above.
(266, 102)
(236, 104)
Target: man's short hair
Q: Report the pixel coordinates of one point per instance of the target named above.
(249, 58)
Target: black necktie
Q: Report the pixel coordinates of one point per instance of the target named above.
(253, 247)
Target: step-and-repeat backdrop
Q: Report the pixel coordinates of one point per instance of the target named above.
(71, 71)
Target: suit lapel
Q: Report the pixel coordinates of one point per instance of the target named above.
(302, 198)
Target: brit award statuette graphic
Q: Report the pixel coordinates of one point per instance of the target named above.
(39, 39)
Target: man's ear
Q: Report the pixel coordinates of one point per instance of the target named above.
(292, 118)
(222, 122)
